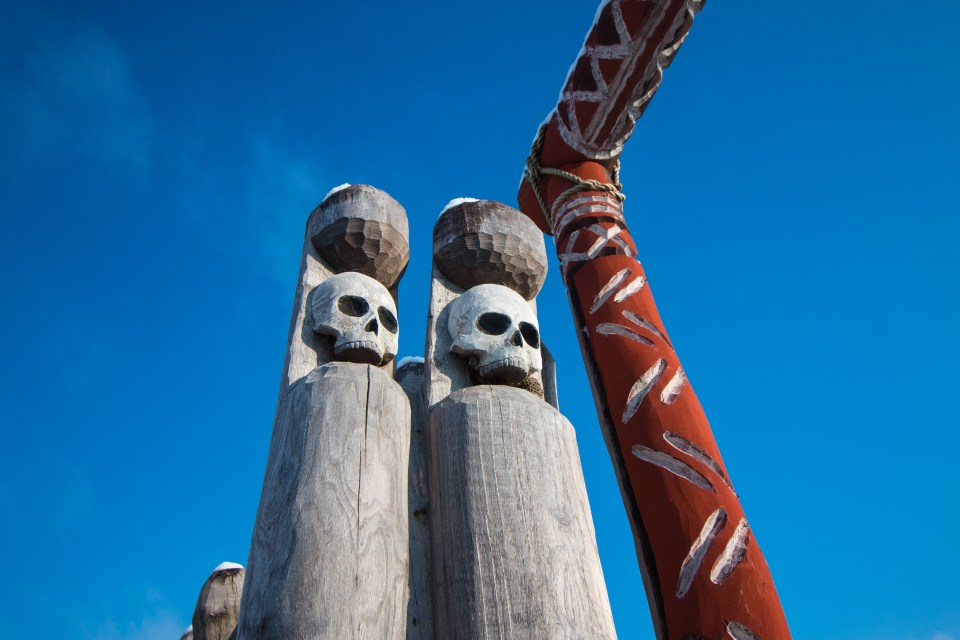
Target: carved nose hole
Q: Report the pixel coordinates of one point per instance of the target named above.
(372, 327)
(353, 305)
(516, 339)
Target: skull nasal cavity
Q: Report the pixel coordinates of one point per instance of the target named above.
(516, 339)
(372, 327)
(493, 323)
(353, 305)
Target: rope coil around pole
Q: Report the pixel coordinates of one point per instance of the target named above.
(533, 173)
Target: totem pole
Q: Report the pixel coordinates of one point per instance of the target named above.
(704, 573)
(329, 555)
(513, 548)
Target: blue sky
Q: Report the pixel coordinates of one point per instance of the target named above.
(793, 190)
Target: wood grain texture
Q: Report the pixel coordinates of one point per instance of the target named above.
(329, 556)
(487, 242)
(514, 549)
(215, 615)
(420, 607)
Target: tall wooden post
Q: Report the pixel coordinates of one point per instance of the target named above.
(420, 607)
(329, 555)
(513, 546)
(218, 606)
(704, 573)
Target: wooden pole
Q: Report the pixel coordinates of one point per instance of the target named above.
(513, 546)
(420, 608)
(703, 570)
(215, 616)
(329, 555)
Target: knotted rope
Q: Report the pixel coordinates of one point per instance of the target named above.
(533, 173)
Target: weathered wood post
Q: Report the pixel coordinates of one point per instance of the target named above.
(329, 555)
(513, 546)
(420, 607)
(704, 573)
(218, 606)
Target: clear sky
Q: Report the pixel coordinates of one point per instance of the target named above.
(793, 190)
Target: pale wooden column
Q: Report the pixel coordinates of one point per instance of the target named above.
(329, 555)
(513, 546)
(420, 608)
(218, 606)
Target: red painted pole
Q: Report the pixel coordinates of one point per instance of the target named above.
(704, 573)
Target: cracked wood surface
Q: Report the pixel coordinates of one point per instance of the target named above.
(329, 556)
(514, 548)
(420, 606)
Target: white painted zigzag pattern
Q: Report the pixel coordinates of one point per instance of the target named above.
(603, 136)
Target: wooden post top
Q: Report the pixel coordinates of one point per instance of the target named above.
(361, 228)
(487, 242)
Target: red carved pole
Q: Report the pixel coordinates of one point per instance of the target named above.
(704, 573)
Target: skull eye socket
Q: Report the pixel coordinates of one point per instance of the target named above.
(353, 306)
(387, 319)
(530, 334)
(493, 323)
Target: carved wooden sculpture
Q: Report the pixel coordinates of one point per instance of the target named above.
(218, 606)
(704, 573)
(329, 555)
(513, 547)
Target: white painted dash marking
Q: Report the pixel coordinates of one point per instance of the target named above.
(674, 465)
(739, 631)
(673, 388)
(641, 388)
(609, 288)
(683, 445)
(630, 289)
(733, 554)
(636, 318)
(691, 564)
(610, 329)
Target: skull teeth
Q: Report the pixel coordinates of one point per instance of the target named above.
(363, 351)
(357, 344)
(504, 365)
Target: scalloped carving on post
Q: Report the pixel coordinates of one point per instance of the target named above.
(487, 242)
(361, 228)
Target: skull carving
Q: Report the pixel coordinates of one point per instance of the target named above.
(495, 328)
(361, 316)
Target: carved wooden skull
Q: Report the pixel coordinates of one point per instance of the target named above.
(495, 328)
(361, 316)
